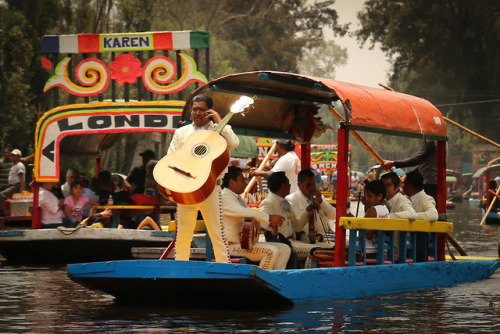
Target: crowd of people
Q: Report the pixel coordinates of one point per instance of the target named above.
(73, 202)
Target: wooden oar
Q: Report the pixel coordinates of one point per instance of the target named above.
(381, 161)
(361, 140)
(471, 132)
(455, 244)
(261, 167)
(490, 207)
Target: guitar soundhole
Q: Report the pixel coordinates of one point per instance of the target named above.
(200, 150)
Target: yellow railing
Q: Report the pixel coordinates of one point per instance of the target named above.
(389, 224)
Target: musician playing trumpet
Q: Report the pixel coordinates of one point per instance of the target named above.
(204, 118)
(271, 255)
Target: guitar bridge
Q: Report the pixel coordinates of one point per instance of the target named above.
(182, 171)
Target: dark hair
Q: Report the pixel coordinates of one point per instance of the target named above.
(95, 184)
(75, 184)
(376, 187)
(85, 183)
(415, 179)
(393, 177)
(289, 146)
(104, 177)
(303, 174)
(203, 98)
(232, 174)
(99, 218)
(276, 180)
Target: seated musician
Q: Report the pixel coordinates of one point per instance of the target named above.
(270, 254)
(275, 203)
(310, 207)
(424, 205)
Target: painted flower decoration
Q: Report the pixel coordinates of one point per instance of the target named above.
(125, 69)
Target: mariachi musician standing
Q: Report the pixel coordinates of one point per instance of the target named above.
(204, 118)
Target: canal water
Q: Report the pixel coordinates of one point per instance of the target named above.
(42, 299)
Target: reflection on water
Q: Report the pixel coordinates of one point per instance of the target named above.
(43, 299)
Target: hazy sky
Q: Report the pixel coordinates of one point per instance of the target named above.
(365, 67)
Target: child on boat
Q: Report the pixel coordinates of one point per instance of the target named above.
(374, 208)
(73, 204)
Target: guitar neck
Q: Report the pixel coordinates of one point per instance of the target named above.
(224, 122)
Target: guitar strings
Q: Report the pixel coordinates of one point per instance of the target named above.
(202, 149)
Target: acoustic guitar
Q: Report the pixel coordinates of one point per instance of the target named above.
(250, 231)
(189, 175)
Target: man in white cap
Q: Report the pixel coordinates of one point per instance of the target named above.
(16, 178)
(288, 162)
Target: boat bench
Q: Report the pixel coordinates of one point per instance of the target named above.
(417, 240)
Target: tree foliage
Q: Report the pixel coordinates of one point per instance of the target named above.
(245, 35)
(445, 51)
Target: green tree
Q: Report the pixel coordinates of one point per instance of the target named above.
(445, 51)
(245, 34)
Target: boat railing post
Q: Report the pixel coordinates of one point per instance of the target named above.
(356, 243)
(403, 246)
(432, 244)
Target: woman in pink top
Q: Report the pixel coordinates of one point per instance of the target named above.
(73, 204)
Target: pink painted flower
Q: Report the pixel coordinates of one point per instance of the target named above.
(125, 69)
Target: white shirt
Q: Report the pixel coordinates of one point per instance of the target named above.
(273, 206)
(299, 203)
(91, 195)
(290, 164)
(49, 205)
(15, 171)
(425, 206)
(66, 189)
(401, 207)
(234, 211)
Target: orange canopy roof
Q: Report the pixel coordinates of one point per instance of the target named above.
(364, 108)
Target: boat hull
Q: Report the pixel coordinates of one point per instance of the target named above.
(493, 218)
(154, 281)
(54, 246)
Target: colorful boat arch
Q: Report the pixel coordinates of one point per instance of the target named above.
(97, 118)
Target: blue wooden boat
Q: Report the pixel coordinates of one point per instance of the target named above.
(417, 262)
(154, 281)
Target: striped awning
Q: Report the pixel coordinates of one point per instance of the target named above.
(125, 42)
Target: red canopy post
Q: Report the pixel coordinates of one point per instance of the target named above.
(441, 195)
(305, 159)
(36, 220)
(97, 166)
(341, 196)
